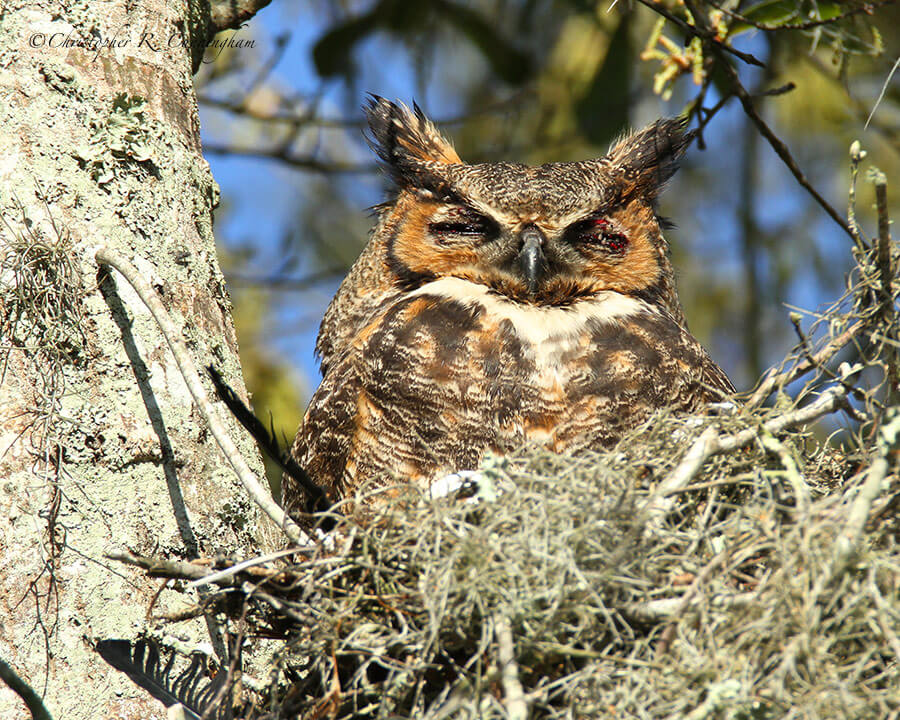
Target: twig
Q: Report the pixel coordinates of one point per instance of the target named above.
(702, 33)
(884, 87)
(248, 479)
(228, 686)
(286, 282)
(886, 276)
(176, 569)
(704, 116)
(884, 238)
(828, 372)
(780, 148)
(889, 133)
(774, 379)
(233, 13)
(515, 703)
(802, 495)
(217, 577)
(856, 156)
(21, 688)
(305, 116)
(867, 8)
(307, 163)
(703, 448)
(684, 602)
(847, 543)
(884, 608)
(747, 102)
(711, 443)
(666, 609)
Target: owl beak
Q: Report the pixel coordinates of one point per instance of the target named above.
(531, 257)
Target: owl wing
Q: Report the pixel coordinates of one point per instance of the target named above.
(394, 402)
(713, 377)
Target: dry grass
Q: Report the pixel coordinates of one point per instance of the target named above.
(721, 611)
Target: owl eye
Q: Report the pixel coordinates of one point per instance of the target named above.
(465, 222)
(599, 233)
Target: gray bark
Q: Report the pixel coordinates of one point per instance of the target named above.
(101, 448)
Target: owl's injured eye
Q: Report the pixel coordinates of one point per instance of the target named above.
(599, 233)
(465, 222)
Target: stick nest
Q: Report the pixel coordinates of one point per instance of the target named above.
(571, 594)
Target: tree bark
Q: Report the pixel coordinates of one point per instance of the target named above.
(101, 448)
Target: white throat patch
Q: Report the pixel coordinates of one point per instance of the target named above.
(538, 325)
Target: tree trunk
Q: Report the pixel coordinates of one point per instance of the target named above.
(101, 448)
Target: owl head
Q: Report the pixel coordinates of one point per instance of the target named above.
(545, 235)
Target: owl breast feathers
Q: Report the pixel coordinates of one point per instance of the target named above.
(498, 304)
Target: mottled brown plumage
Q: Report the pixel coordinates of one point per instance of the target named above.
(497, 304)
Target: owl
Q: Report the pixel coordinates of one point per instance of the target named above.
(499, 304)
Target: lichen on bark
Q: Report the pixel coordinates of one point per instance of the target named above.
(101, 147)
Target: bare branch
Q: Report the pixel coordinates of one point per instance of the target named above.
(711, 443)
(307, 163)
(867, 7)
(514, 701)
(671, 608)
(747, 102)
(177, 569)
(263, 499)
(21, 688)
(887, 276)
(231, 14)
(286, 282)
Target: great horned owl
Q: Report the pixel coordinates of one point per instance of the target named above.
(497, 304)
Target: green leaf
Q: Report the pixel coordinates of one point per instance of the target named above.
(778, 13)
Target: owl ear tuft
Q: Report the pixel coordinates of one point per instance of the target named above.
(647, 159)
(406, 140)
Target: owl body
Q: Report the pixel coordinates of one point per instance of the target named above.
(497, 305)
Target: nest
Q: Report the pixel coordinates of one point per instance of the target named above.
(566, 596)
(580, 588)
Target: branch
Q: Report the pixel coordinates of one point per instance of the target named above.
(890, 134)
(21, 688)
(849, 541)
(172, 334)
(747, 102)
(654, 611)
(306, 163)
(702, 33)
(867, 7)
(285, 282)
(304, 116)
(516, 705)
(711, 443)
(231, 14)
(175, 569)
(218, 577)
(886, 274)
